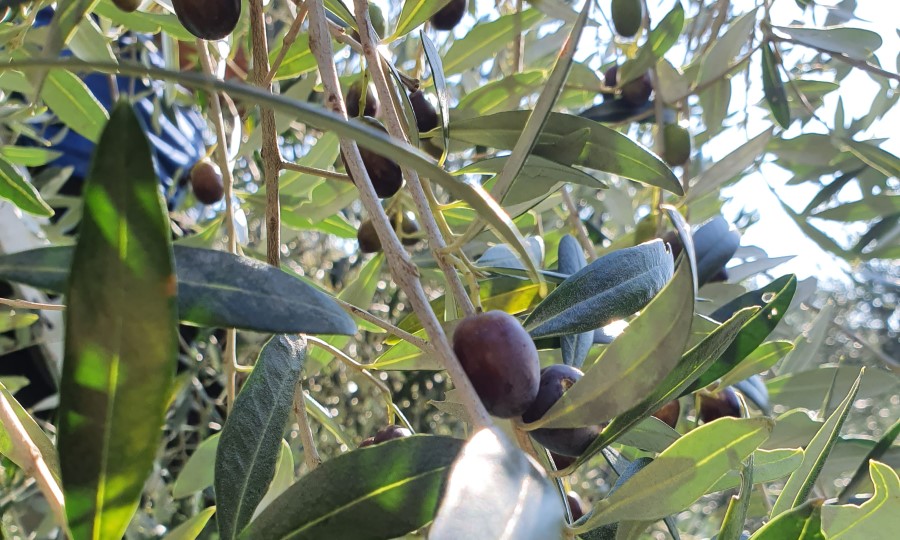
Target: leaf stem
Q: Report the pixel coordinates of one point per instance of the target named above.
(314, 171)
(286, 43)
(310, 453)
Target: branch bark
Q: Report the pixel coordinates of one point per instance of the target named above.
(404, 272)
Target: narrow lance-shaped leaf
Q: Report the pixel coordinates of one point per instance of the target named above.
(20, 192)
(414, 13)
(683, 472)
(634, 363)
(440, 85)
(773, 87)
(121, 337)
(612, 287)
(191, 529)
(883, 445)
(736, 513)
(496, 491)
(215, 289)
(251, 438)
(570, 259)
(692, 365)
(382, 491)
(801, 523)
(802, 480)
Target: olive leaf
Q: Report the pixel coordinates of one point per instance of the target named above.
(574, 347)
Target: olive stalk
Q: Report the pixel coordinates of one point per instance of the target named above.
(404, 272)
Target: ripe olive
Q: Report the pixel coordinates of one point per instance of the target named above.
(626, 17)
(354, 93)
(677, 143)
(449, 16)
(426, 114)
(127, 6)
(669, 413)
(208, 19)
(385, 174)
(609, 79)
(637, 92)
(206, 181)
(500, 359)
(391, 432)
(576, 505)
(368, 441)
(555, 380)
(725, 403)
(368, 238)
(561, 462)
(408, 227)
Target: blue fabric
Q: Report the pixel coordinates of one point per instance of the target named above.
(175, 146)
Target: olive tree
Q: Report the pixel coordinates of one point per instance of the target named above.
(433, 268)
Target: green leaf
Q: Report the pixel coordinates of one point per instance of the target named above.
(215, 289)
(856, 43)
(638, 360)
(718, 60)
(20, 192)
(484, 40)
(433, 57)
(414, 13)
(10, 321)
(875, 157)
(89, 43)
(768, 465)
(284, 477)
(143, 21)
(199, 471)
(762, 358)
(570, 259)
(736, 513)
(801, 523)
(807, 388)
(873, 518)
(521, 502)
(884, 444)
(37, 435)
(802, 480)
(338, 8)
(773, 87)
(392, 488)
(606, 150)
(502, 94)
(541, 112)
(251, 437)
(71, 100)
(65, 21)
(683, 472)
(30, 156)
(863, 210)
(613, 286)
(692, 365)
(298, 59)
(191, 529)
(661, 39)
(119, 361)
(777, 297)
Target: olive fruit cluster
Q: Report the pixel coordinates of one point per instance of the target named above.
(208, 19)
(206, 182)
(449, 16)
(368, 237)
(385, 434)
(502, 362)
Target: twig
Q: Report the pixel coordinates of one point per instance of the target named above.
(229, 363)
(578, 225)
(395, 129)
(286, 43)
(404, 272)
(310, 453)
(359, 368)
(270, 153)
(25, 304)
(402, 334)
(27, 455)
(287, 165)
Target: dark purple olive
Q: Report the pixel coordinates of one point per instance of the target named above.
(725, 403)
(500, 359)
(555, 380)
(354, 93)
(386, 176)
(449, 16)
(609, 79)
(576, 505)
(368, 441)
(426, 114)
(208, 19)
(669, 413)
(561, 462)
(637, 92)
(391, 432)
(368, 238)
(206, 182)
